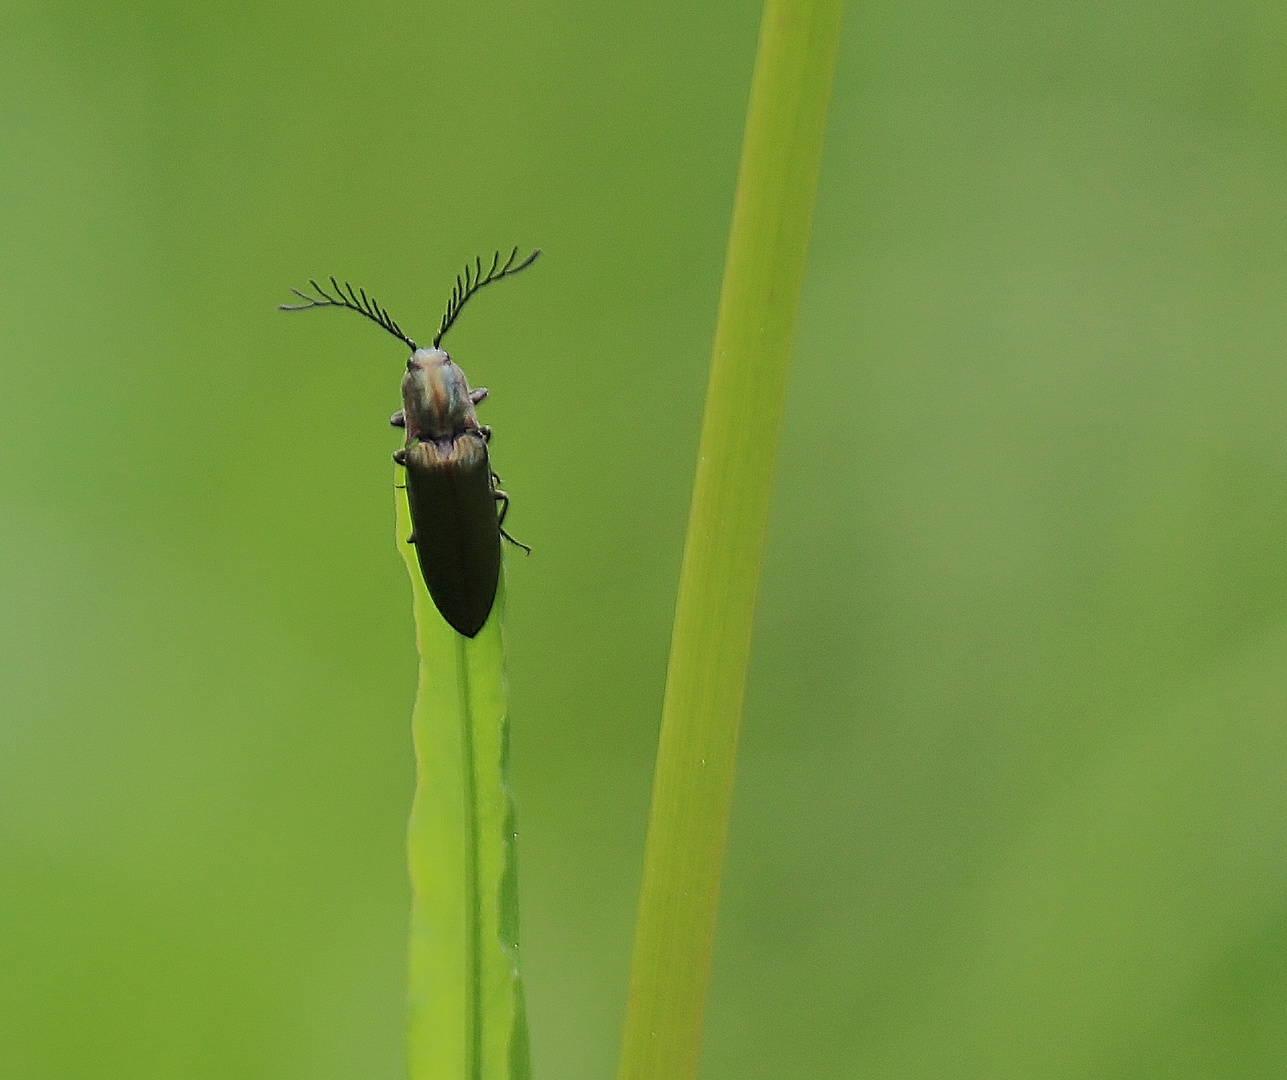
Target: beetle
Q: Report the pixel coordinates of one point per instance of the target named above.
(457, 506)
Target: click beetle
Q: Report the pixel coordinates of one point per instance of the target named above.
(457, 507)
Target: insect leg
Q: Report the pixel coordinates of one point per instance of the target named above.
(503, 499)
(477, 395)
(399, 418)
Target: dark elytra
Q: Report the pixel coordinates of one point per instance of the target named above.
(455, 527)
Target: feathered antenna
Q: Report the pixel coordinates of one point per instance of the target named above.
(473, 280)
(355, 301)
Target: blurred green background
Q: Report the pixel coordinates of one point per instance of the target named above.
(1012, 797)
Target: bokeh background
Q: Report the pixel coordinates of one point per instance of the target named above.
(1012, 799)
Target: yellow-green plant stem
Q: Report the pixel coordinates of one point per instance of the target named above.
(465, 1003)
(710, 647)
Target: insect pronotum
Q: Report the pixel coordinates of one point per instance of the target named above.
(457, 507)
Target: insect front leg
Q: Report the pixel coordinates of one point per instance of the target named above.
(503, 499)
(399, 418)
(477, 395)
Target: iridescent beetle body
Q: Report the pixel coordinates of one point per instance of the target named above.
(451, 490)
(457, 511)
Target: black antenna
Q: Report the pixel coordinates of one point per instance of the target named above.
(354, 301)
(473, 280)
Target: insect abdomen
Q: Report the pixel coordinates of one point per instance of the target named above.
(455, 528)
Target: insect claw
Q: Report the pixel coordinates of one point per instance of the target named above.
(517, 543)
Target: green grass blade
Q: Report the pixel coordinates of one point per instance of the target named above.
(466, 1015)
(710, 647)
